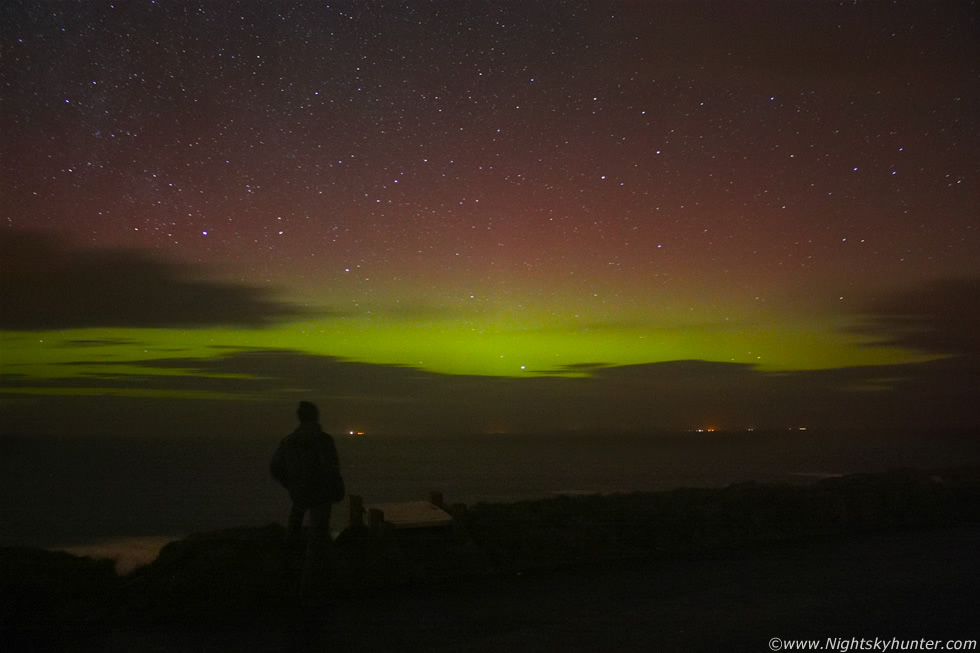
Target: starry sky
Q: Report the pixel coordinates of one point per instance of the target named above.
(488, 216)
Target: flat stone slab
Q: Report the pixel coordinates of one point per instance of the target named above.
(412, 514)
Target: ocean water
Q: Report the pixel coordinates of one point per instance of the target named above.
(84, 494)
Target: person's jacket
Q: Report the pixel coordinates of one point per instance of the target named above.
(307, 465)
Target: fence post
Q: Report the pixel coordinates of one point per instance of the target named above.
(376, 519)
(435, 498)
(356, 516)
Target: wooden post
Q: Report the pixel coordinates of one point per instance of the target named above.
(435, 498)
(376, 519)
(356, 518)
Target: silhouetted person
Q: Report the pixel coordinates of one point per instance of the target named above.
(307, 465)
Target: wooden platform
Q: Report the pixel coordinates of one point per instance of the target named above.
(412, 514)
(399, 515)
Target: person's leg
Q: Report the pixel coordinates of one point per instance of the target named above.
(294, 528)
(317, 548)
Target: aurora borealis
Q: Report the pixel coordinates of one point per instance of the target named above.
(488, 215)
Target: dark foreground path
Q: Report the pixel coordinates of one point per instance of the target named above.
(906, 586)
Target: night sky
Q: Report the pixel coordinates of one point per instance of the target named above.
(488, 216)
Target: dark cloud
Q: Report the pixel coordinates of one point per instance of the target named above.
(97, 342)
(939, 317)
(260, 389)
(574, 368)
(48, 284)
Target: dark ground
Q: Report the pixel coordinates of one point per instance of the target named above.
(912, 585)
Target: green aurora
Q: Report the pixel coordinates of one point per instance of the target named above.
(444, 347)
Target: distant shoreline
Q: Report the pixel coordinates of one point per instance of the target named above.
(642, 433)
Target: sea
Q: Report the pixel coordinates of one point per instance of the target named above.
(125, 497)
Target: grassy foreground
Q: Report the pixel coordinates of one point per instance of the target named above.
(242, 575)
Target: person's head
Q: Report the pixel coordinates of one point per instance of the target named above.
(307, 412)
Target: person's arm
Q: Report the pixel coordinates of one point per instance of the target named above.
(278, 466)
(331, 464)
(330, 457)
